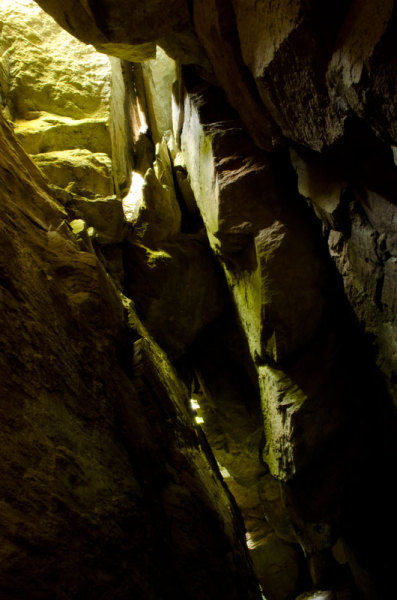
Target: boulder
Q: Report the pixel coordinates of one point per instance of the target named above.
(48, 69)
(81, 171)
(159, 76)
(50, 132)
(177, 289)
(131, 31)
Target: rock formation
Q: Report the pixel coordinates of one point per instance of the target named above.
(199, 296)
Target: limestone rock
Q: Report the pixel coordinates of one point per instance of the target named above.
(58, 91)
(254, 239)
(151, 204)
(103, 479)
(361, 72)
(81, 171)
(177, 289)
(286, 46)
(104, 215)
(121, 134)
(159, 76)
(215, 24)
(49, 132)
(48, 69)
(129, 31)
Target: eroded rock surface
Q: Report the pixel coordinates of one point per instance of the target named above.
(295, 187)
(99, 496)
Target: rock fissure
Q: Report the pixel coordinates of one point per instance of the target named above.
(225, 225)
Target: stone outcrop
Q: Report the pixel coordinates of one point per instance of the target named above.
(57, 91)
(131, 31)
(106, 488)
(256, 243)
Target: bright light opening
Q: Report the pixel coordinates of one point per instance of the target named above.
(133, 200)
(194, 404)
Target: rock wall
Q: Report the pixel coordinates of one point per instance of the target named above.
(107, 489)
(258, 249)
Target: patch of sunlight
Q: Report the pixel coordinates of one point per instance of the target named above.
(133, 200)
(224, 472)
(26, 5)
(250, 541)
(199, 420)
(143, 125)
(194, 404)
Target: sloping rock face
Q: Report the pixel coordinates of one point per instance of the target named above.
(260, 254)
(106, 490)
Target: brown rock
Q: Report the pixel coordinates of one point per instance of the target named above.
(286, 45)
(215, 24)
(130, 31)
(177, 289)
(103, 481)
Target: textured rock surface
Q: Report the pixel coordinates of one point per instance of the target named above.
(98, 493)
(84, 171)
(40, 60)
(57, 92)
(304, 233)
(160, 75)
(118, 27)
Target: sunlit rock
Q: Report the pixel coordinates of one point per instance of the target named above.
(97, 440)
(159, 76)
(50, 132)
(48, 69)
(253, 230)
(81, 171)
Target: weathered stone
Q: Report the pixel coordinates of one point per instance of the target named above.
(129, 31)
(151, 204)
(49, 70)
(81, 171)
(53, 132)
(279, 301)
(286, 46)
(361, 72)
(326, 75)
(215, 24)
(177, 289)
(105, 215)
(159, 76)
(121, 134)
(103, 479)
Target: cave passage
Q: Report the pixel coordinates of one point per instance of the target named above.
(199, 283)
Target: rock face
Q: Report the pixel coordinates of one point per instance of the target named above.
(256, 243)
(99, 496)
(57, 91)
